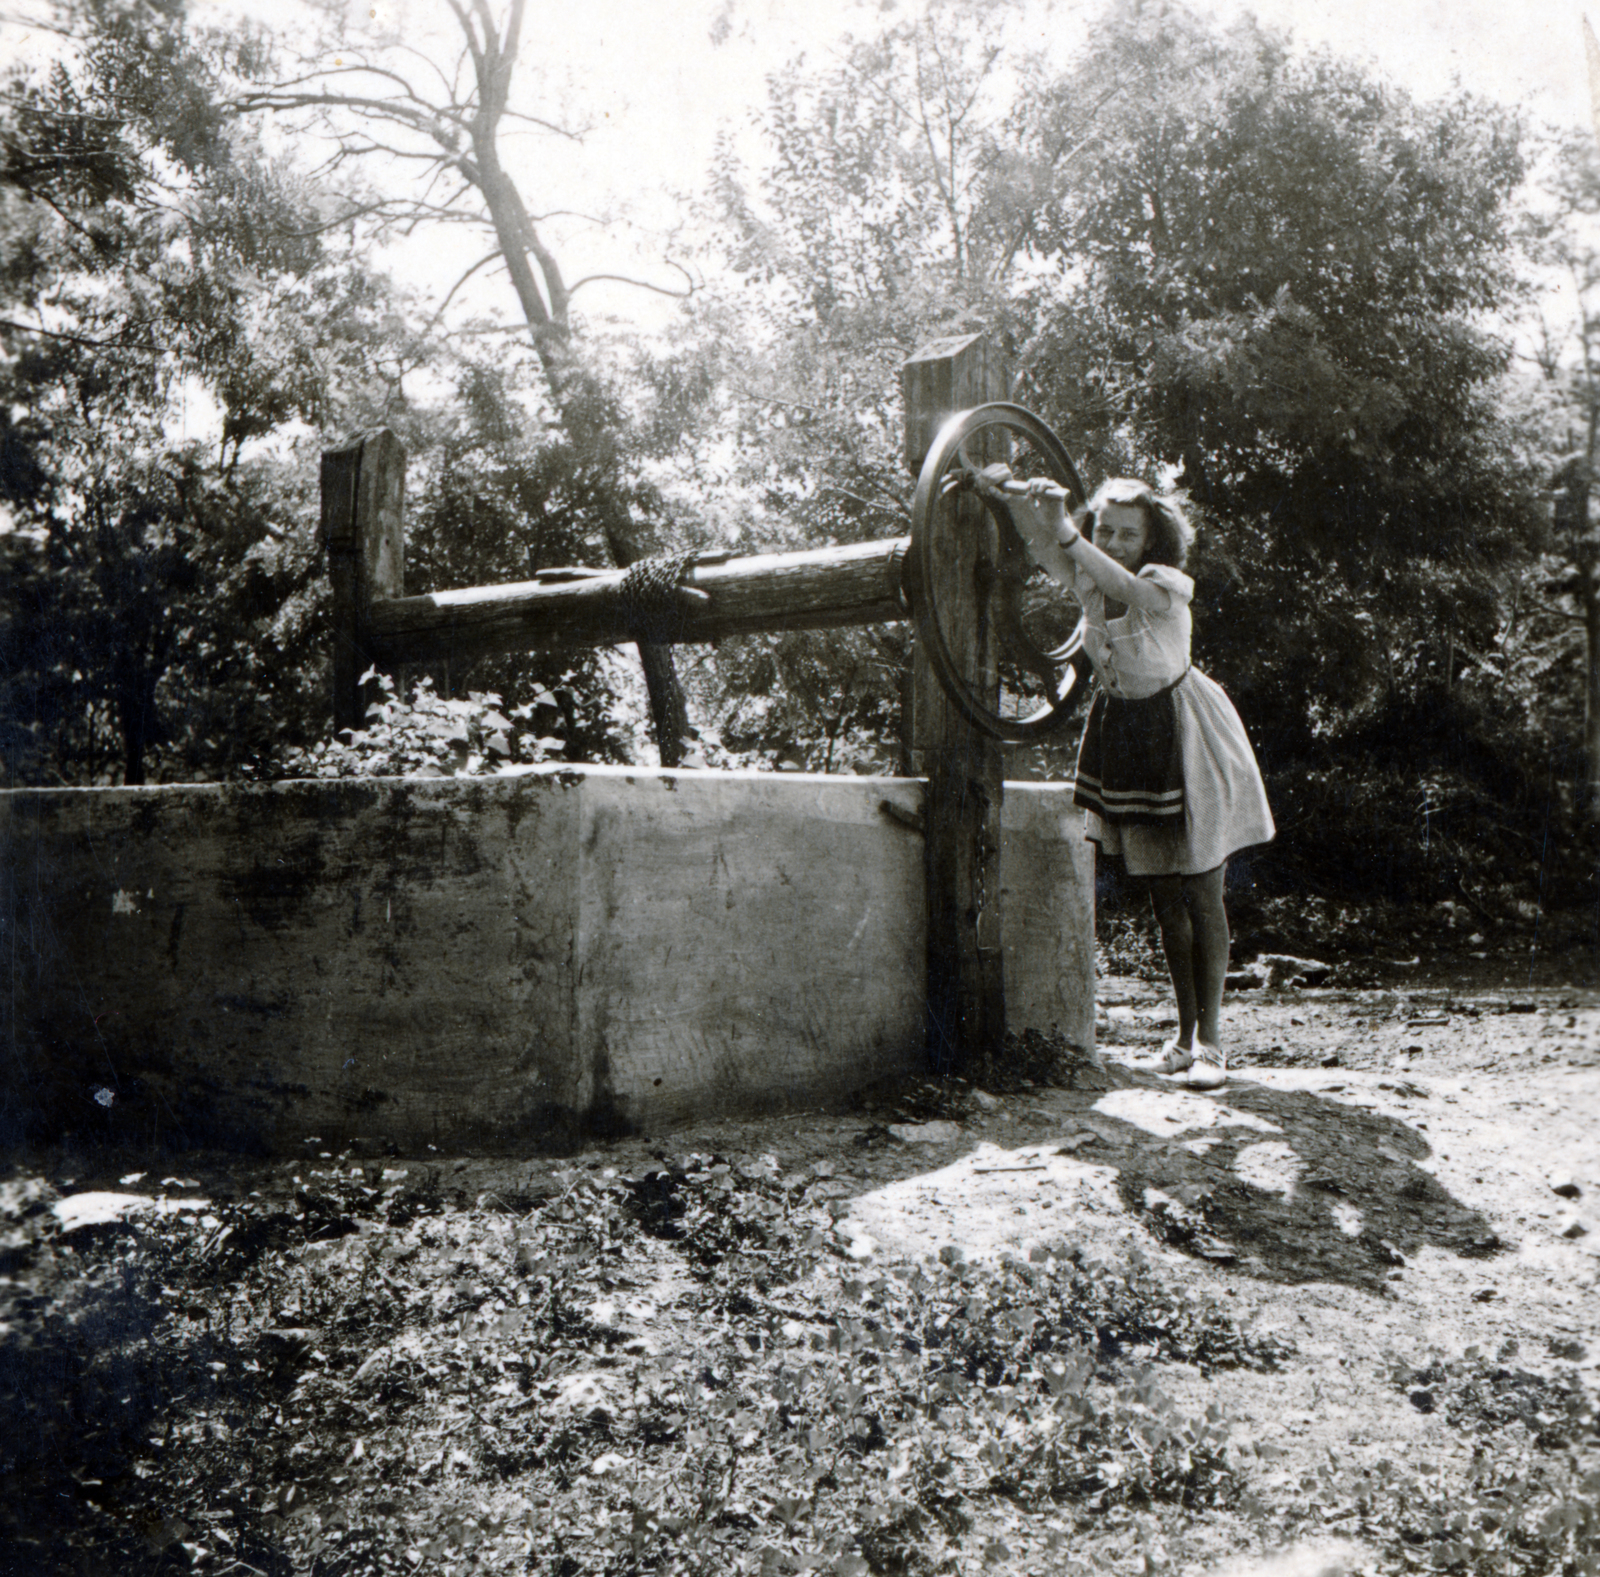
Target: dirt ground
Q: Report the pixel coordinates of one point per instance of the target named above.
(1393, 1181)
(1389, 1177)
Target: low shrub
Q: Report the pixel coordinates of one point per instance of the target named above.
(371, 1374)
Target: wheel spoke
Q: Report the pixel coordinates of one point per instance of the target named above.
(1039, 689)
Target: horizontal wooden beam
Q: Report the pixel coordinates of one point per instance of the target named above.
(823, 588)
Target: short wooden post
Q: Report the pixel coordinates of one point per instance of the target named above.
(963, 766)
(363, 525)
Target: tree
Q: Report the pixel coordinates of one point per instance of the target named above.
(160, 590)
(489, 500)
(1270, 276)
(1273, 275)
(1283, 282)
(384, 102)
(892, 207)
(1568, 357)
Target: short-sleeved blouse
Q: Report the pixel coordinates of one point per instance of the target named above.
(1144, 651)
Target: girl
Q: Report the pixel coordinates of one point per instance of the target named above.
(1165, 771)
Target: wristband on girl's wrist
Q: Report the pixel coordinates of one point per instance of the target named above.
(1066, 542)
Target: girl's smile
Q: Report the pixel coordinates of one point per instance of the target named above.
(1122, 533)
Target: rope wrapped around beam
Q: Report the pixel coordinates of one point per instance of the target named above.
(655, 597)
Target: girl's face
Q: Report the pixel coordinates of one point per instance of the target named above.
(1122, 533)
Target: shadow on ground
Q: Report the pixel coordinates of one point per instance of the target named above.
(1285, 1185)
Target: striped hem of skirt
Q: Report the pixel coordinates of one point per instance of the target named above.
(1156, 807)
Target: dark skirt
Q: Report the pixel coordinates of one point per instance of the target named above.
(1130, 764)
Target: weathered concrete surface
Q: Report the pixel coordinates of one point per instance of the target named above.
(1047, 911)
(748, 942)
(257, 965)
(493, 964)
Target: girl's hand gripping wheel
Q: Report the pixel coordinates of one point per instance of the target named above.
(991, 452)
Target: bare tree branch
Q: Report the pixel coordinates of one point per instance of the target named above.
(473, 46)
(449, 109)
(565, 132)
(433, 66)
(427, 122)
(343, 219)
(462, 126)
(78, 339)
(642, 284)
(450, 294)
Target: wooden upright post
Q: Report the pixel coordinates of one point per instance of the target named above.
(363, 525)
(963, 766)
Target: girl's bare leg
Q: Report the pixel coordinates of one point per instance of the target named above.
(1208, 917)
(1172, 912)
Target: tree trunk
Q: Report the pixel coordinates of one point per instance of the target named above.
(669, 711)
(133, 755)
(1574, 488)
(1589, 593)
(573, 387)
(136, 700)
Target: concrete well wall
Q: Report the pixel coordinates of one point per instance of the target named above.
(495, 964)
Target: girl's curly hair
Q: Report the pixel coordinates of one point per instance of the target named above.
(1170, 531)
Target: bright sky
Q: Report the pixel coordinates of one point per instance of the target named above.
(653, 67)
(660, 87)
(657, 78)
(657, 62)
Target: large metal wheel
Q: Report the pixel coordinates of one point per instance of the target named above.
(1028, 619)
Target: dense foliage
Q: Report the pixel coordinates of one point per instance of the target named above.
(1277, 280)
(1565, 237)
(162, 591)
(191, 319)
(1266, 275)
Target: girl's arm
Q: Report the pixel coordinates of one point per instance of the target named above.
(1063, 552)
(1040, 528)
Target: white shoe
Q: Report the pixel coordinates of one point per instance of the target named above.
(1209, 1070)
(1174, 1058)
